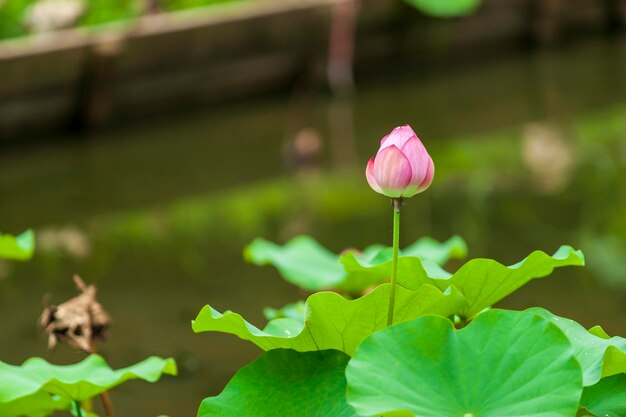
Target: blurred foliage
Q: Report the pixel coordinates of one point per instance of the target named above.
(445, 8)
(290, 206)
(189, 4)
(309, 265)
(14, 13)
(106, 11)
(20, 248)
(295, 311)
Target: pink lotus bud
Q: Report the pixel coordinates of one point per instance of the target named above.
(402, 166)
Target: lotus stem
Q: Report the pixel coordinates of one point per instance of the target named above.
(105, 397)
(107, 404)
(396, 203)
(78, 409)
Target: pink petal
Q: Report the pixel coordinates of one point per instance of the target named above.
(371, 179)
(419, 159)
(392, 171)
(398, 137)
(416, 188)
(428, 179)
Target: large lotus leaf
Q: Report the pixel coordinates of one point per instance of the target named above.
(504, 364)
(607, 398)
(307, 264)
(445, 8)
(19, 248)
(599, 357)
(483, 282)
(285, 383)
(333, 322)
(40, 384)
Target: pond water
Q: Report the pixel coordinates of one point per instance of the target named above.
(530, 151)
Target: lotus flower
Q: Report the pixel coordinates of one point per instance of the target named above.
(402, 166)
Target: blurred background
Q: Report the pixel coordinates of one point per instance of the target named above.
(148, 141)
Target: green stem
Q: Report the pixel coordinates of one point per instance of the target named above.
(79, 411)
(394, 262)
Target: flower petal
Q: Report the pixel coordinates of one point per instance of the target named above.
(398, 137)
(392, 171)
(371, 179)
(428, 179)
(419, 159)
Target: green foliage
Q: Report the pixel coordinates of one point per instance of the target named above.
(302, 262)
(37, 388)
(599, 356)
(333, 322)
(12, 14)
(296, 311)
(97, 12)
(503, 364)
(445, 8)
(105, 11)
(307, 264)
(607, 398)
(188, 4)
(483, 282)
(285, 383)
(19, 248)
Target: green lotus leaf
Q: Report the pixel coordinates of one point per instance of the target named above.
(285, 383)
(599, 331)
(412, 272)
(607, 398)
(445, 8)
(504, 364)
(43, 387)
(333, 322)
(39, 404)
(425, 248)
(302, 262)
(294, 311)
(484, 282)
(417, 264)
(307, 264)
(20, 248)
(599, 357)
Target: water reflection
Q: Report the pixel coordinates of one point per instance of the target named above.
(530, 153)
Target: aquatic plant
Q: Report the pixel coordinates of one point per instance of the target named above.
(38, 388)
(20, 248)
(396, 334)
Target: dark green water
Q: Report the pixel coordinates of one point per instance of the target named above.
(530, 153)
